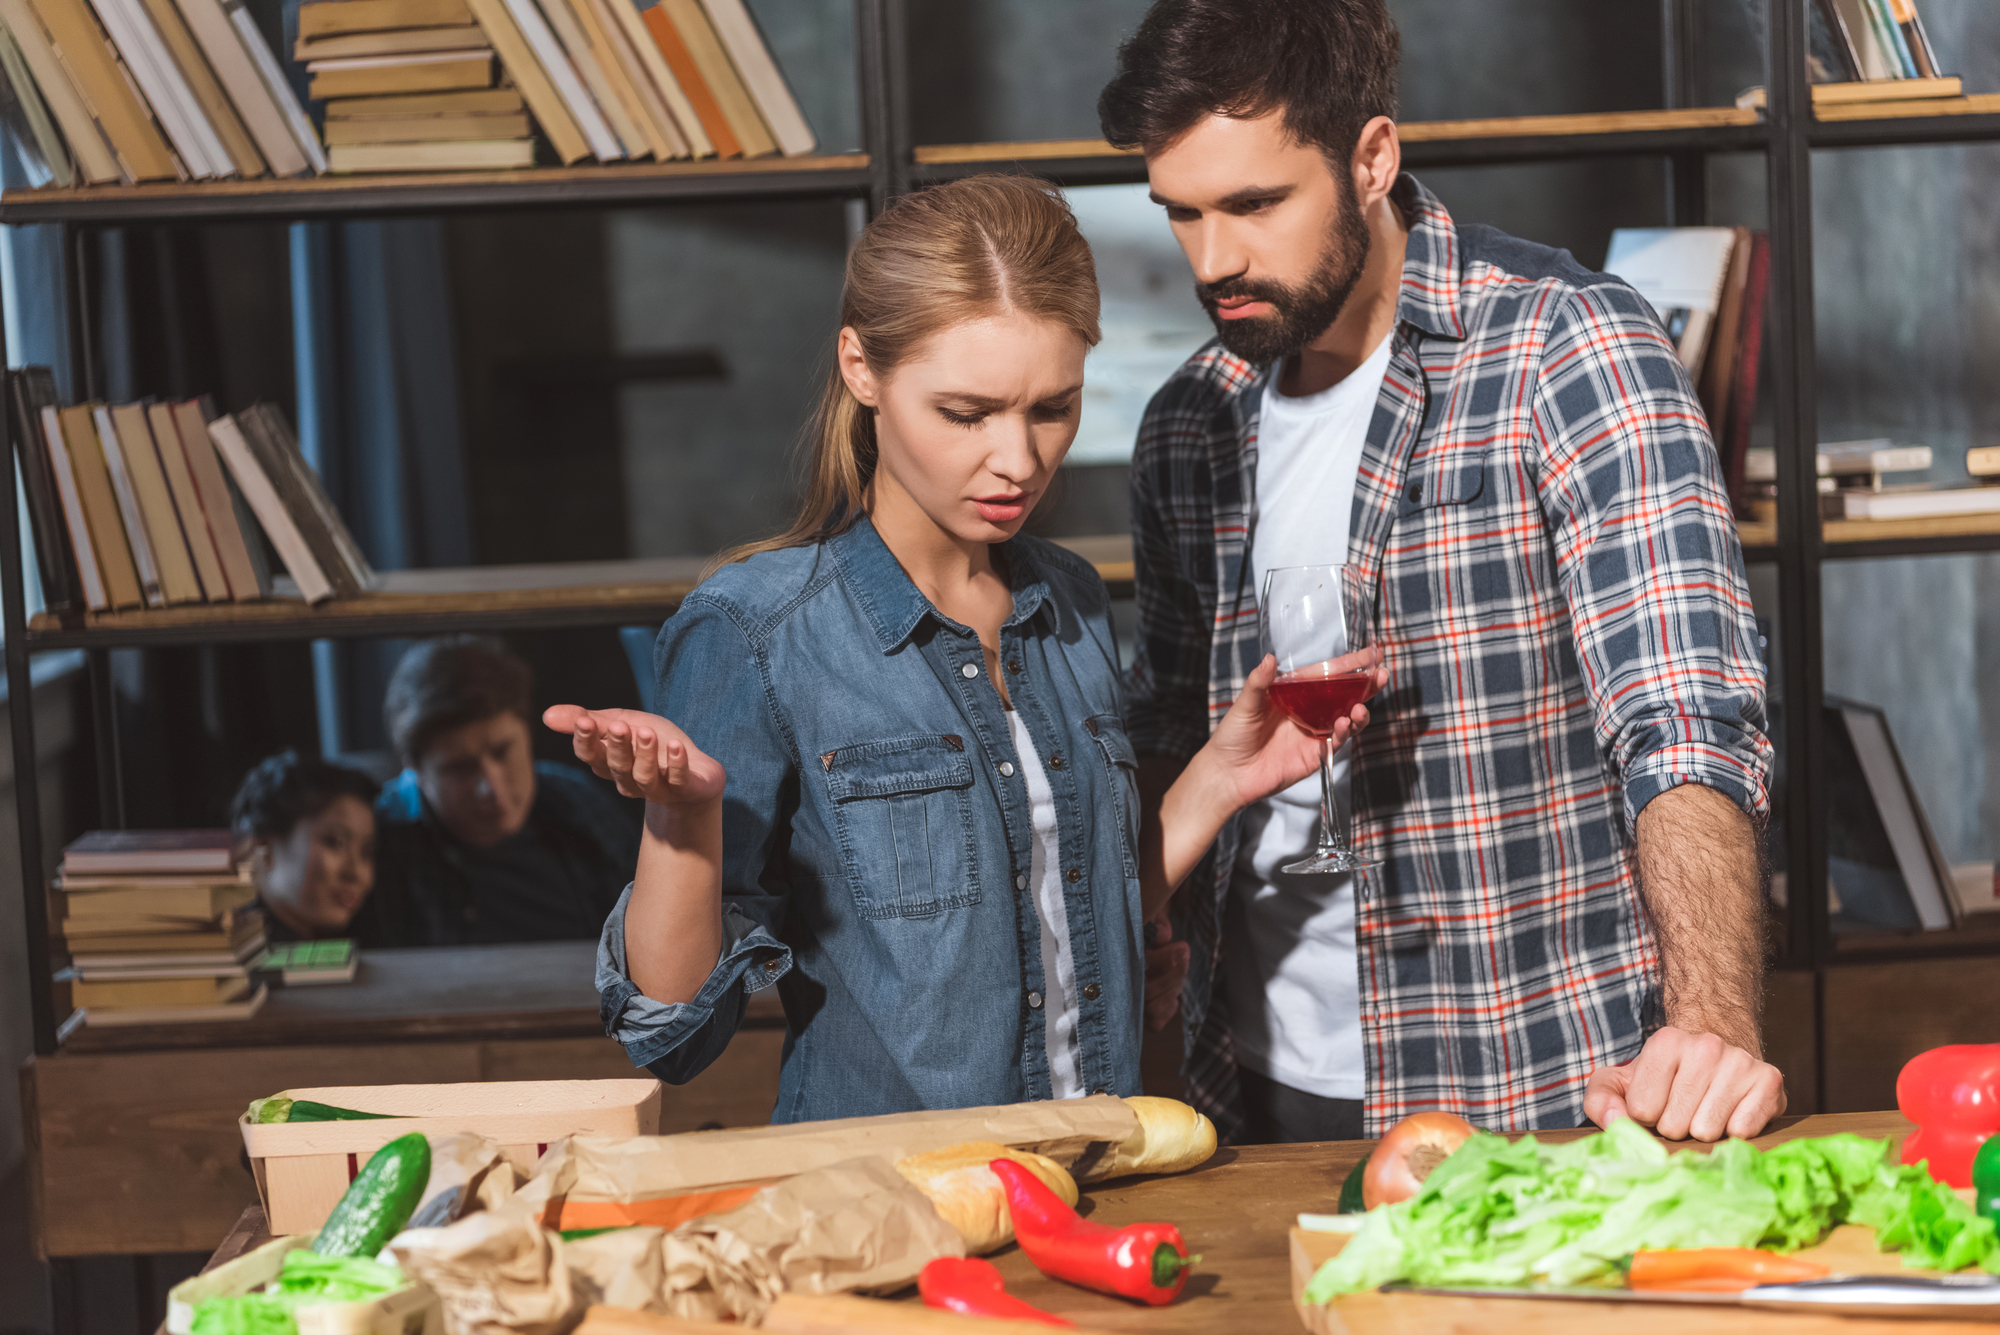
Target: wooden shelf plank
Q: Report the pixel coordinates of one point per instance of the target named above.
(593, 593)
(1979, 104)
(437, 191)
(1414, 132)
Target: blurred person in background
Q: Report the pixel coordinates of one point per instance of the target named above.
(308, 828)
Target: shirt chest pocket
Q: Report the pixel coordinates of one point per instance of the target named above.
(1123, 766)
(1443, 486)
(903, 809)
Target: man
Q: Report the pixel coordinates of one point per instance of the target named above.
(478, 841)
(1561, 778)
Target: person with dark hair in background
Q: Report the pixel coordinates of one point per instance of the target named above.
(480, 842)
(1570, 766)
(310, 829)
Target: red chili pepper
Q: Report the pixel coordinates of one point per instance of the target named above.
(1148, 1262)
(970, 1286)
(1953, 1095)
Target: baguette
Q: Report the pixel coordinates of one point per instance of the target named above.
(970, 1197)
(1171, 1138)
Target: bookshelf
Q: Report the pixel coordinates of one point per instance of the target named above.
(1786, 134)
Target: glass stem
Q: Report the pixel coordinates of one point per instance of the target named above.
(1332, 831)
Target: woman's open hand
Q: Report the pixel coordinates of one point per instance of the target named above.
(644, 754)
(1258, 747)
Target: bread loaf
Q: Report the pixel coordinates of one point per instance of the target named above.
(970, 1197)
(1171, 1138)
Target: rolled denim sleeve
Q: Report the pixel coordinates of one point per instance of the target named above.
(677, 1040)
(712, 683)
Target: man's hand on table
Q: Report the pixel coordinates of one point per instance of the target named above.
(1686, 1085)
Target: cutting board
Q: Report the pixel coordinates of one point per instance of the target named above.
(1849, 1249)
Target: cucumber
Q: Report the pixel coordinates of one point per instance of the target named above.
(281, 1108)
(1350, 1190)
(379, 1201)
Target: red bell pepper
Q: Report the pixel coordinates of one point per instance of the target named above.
(1148, 1262)
(1953, 1095)
(970, 1286)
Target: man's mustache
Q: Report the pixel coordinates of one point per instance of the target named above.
(1209, 294)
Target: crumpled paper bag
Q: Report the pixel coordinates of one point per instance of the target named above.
(850, 1226)
(468, 1174)
(622, 1268)
(497, 1272)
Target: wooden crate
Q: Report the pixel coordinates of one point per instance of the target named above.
(411, 1311)
(303, 1168)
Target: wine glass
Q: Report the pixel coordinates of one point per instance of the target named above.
(1315, 619)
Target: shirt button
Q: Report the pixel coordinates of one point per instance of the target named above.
(1014, 666)
(1414, 492)
(1055, 762)
(968, 672)
(1034, 1001)
(772, 966)
(1090, 991)
(1006, 769)
(1020, 882)
(1074, 874)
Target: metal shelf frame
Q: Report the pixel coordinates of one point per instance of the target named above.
(1787, 137)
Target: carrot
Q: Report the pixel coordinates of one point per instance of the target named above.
(1717, 1269)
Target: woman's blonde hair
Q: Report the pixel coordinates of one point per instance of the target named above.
(939, 257)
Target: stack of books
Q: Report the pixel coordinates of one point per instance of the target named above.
(410, 85)
(159, 927)
(1870, 480)
(150, 90)
(152, 504)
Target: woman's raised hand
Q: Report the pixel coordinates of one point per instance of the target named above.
(1260, 747)
(644, 754)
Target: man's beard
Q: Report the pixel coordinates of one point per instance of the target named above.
(1299, 314)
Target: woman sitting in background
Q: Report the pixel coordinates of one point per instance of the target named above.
(310, 830)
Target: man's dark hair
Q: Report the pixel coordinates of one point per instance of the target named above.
(1329, 65)
(444, 684)
(288, 788)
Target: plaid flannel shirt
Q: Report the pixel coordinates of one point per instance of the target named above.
(1559, 590)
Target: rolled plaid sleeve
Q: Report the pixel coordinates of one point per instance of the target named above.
(1648, 557)
(1167, 686)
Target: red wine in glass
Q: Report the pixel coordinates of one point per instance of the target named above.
(1316, 702)
(1316, 621)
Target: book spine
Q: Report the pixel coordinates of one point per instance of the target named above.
(691, 22)
(1891, 38)
(535, 30)
(43, 154)
(100, 507)
(276, 85)
(262, 497)
(1983, 461)
(708, 112)
(1915, 39)
(237, 72)
(272, 426)
(88, 577)
(218, 506)
(128, 507)
(213, 585)
(161, 84)
(283, 467)
(1743, 379)
(761, 76)
(537, 89)
(85, 137)
(679, 110)
(209, 98)
(591, 62)
(27, 391)
(86, 53)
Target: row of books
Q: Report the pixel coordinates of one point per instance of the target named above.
(100, 91)
(446, 84)
(1856, 40)
(155, 503)
(1877, 479)
(1709, 286)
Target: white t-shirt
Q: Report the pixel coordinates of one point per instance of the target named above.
(1294, 994)
(1058, 967)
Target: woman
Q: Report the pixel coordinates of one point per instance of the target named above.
(928, 832)
(310, 829)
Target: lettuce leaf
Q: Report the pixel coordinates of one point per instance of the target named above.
(306, 1279)
(1499, 1212)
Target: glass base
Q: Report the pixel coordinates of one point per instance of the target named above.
(1345, 860)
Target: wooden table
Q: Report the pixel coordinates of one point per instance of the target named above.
(132, 1138)
(1237, 1211)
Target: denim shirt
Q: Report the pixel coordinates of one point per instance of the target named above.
(876, 832)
